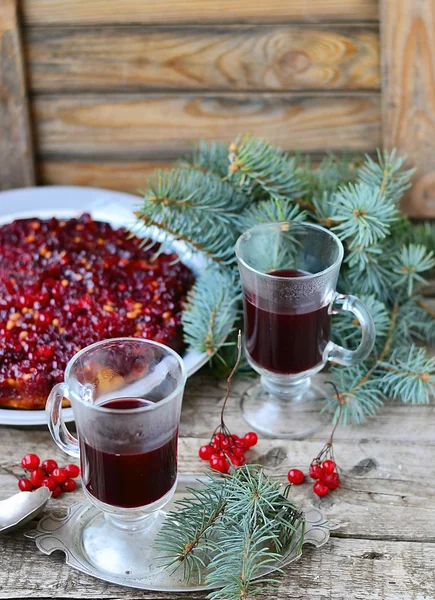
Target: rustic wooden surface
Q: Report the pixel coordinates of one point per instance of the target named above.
(408, 68)
(383, 549)
(163, 126)
(16, 156)
(214, 58)
(94, 12)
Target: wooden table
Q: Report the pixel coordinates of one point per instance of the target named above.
(384, 548)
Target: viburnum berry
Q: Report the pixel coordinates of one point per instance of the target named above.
(25, 484)
(206, 452)
(238, 462)
(328, 466)
(295, 476)
(30, 462)
(69, 485)
(49, 482)
(49, 465)
(218, 463)
(320, 489)
(331, 480)
(37, 476)
(251, 438)
(59, 475)
(56, 492)
(73, 471)
(316, 471)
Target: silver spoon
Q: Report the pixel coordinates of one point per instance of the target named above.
(22, 507)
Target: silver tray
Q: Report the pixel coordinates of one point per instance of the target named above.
(65, 534)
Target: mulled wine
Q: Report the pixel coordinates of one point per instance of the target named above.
(129, 479)
(288, 342)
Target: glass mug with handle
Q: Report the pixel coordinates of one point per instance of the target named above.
(289, 273)
(126, 397)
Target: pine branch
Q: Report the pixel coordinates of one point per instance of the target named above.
(255, 162)
(194, 207)
(387, 175)
(409, 263)
(364, 215)
(423, 234)
(410, 376)
(212, 157)
(268, 211)
(211, 310)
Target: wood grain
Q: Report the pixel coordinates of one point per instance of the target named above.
(408, 117)
(95, 12)
(125, 176)
(214, 58)
(163, 126)
(16, 156)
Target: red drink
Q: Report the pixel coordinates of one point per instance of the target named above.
(286, 343)
(129, 480)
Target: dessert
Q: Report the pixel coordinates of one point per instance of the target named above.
(67, 284)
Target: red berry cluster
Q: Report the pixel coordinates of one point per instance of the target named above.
(49, 474)
(324, 473)
(229, 449)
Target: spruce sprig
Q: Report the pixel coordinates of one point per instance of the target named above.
(409, 375)
(231, 529)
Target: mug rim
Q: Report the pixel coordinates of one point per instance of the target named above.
(140, 409)
(249, 231)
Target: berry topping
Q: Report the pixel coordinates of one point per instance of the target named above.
(295, 476)
(67, 284)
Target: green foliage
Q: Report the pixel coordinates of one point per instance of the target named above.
(211, 310)
(409, 375)
(231, 529)
(222, 191)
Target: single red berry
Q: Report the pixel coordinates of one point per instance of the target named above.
(49, 482)
(25, 484)
(320, 489)
(59, 475)
(328, 466)
(73, 471)
(218, 463)
(238, 462)
(225, 444)
(37, 476)
(56, 492)
(251, 438)
(69, 485)
(295, 476)
(217, 440)
(239, 452)
(205, 452)
(316, 471)
(49, 465)
(30, 462)
(331, 480)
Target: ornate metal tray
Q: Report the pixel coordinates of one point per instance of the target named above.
(65, 534)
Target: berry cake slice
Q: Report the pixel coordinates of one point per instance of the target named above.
(67, 284)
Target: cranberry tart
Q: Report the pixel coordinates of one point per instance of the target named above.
(67, 284)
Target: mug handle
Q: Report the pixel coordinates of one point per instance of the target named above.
(56, 424)
(342, 356)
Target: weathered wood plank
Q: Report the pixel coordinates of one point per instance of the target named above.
(16, 157)
(126, 176)
(408, 66)
(214, 58)
(343, 569)
(162, 126)
(382, 482)
(95, 12)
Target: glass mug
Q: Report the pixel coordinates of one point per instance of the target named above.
(126, 397)
(289, 274)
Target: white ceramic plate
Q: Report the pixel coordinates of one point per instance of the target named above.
(69, 201)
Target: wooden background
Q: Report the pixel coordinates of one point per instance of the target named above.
(115, 89)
